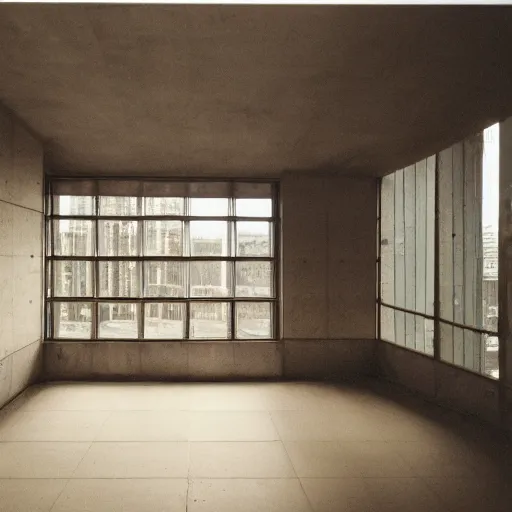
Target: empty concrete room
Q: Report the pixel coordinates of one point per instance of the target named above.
(255, 258)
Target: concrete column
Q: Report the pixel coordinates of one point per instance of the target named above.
(328, 274)
(21, 179)
(505, 268)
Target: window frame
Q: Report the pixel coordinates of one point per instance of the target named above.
(95, 300)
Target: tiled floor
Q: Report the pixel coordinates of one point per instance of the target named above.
(269, 447)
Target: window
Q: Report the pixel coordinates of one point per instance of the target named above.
(407, 256)
(468, 252)
(465, 319)
(161, 260)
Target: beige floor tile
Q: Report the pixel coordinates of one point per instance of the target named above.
(240, 460)
(123, 495)
(319, 459)
(472, 494)
(52, 425)
(29, 495)
(69, 397)
(307, 396)
(428, 459)
(326, 459)
(40, 460)
(404, 425)
(232, 426)
(135, 460)
(337, 494)
(356, 450)
(158, 396)
(245, 495)
(370, 495)
(225, 397)
(324, 425)
(145, 426)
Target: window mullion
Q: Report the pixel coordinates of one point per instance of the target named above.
(96, 273)
(141, 241)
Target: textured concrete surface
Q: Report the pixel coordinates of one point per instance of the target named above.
(505, 266)
(328, 257)
(320, 359)
(21, 177)
(449, 386)
(277, 447)
(155, 360)
(252, 89)
(329, 359)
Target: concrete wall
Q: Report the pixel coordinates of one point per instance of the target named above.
(328, 275)
(328, 302)
(439, 382)
(505, 269)
(21, 218)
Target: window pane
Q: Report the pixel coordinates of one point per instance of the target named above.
(163, 238)
(469, 349)
(73, 205)
(420, 334)
(387, 242)
(253, 320)
(387, 324)
(469, 214)
(210, 279)
(72, 320)
(209, 207)
(164, 205)
(165, 278)
(254, 279)
(119, 279)
(163, 320)
(253, 239)
(490, 220)
(73, 237)
(118, 205)
(491, 364)
(209, 238)
(209, 320)
(118, 238)
(72, 278)
(118, 320)
(254, 207)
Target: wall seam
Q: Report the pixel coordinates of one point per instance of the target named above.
(20, 349)
(21, 206)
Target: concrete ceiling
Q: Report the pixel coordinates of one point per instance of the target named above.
(252, 90)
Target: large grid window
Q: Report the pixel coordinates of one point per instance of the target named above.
(461, 241)
(161, 260)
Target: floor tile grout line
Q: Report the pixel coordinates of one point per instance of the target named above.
(82, 459)
(189, 458)
(291, 463)
(59, 495)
